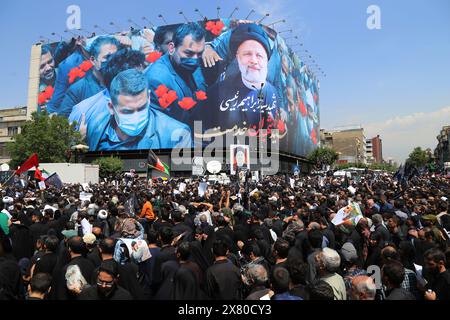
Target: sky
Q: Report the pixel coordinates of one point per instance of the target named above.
(393, 81)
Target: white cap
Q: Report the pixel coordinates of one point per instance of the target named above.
(8, 200)
(89, 238)
(102, 214)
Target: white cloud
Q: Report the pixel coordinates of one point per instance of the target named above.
(281, 9)
(401, 134)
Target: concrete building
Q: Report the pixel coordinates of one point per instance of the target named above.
(442, 151)
(11, 121)
(369, 151)
(326, 138)
(374, 150)
(377, 149)
(349, 143)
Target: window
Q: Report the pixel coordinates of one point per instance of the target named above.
(3, 151)
(12, 131)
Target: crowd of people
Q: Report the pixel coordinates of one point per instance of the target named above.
(272, 239)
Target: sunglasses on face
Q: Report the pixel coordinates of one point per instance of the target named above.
(107, 284)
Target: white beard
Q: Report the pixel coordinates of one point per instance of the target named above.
(251, 76)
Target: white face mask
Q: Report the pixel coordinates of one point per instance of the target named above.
(132, 124)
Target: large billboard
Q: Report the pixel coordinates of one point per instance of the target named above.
(146, 89)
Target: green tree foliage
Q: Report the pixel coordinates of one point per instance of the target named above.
(51, 137)
(109, 167)
(323, 156)
(418, 157)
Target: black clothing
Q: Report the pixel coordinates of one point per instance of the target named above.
(37, 230)
(10, 279)
(223, 281)
(257, 293)
(91, 293)
(331, 238)
(86, 268)
(168, 272)
(299, 291)
(227, 235)
(201, 255)
(165, 254)
(47, 263)
(128, 280)
(159, 224)
(399, 294)
(180, 228)
(277, 227)
(94, 256)
(186, 284)
(441, 285)
(22, 245)
(381, 234)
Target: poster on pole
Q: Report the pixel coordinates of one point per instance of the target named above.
(239, 158)
(197, 166)
(202, 189)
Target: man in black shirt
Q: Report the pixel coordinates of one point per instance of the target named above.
(76, 249)
(106, 287)
(127, 272)
(180, 226)
(298, 271)
(223, 279)
(166, 253)
(47, 262)
(39, 286)
(281, 251)
(439, 276)
(163, 221)
(38, 228)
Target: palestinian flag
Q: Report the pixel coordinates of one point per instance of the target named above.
(45, 174)
(154, 162)
(38, 175)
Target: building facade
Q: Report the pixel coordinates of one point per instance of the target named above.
(369, 151)
(349, 143)
(11, 121)
(442, 151)
(377, 149)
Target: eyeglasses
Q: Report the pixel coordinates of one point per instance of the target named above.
(107, 284)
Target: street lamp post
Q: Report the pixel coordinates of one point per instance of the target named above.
(260, 101)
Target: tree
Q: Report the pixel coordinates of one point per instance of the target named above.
(383, 166)
(323, 156)
(418, 157)
(49, 136)
(109, 167)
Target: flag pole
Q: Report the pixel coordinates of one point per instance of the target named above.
(148, 155)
